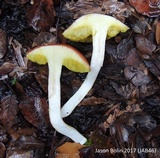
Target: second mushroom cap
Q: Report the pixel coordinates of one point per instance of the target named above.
(87, 26)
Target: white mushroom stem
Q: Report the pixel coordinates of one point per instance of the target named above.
(54, 93)
(99, 38)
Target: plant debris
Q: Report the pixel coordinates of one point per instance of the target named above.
(147, 7)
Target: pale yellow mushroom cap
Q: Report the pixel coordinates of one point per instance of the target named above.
(86, 26)
(65, 54)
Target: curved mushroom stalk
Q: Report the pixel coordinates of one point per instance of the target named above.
(96, 64)
(56, 56)
(100, 27)
(54, 103)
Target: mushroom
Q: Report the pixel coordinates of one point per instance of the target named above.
(56, 56)
(96, 28)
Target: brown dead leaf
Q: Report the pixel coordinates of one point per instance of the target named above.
(69, 150)
(30, 86)
(138, 76)
(19, 154)
(144, 45)
(6, 68)
(44, 38)
(26, 146)
(35, 111)
(16, 2)
(102, 141)
(127, 124)
(111, 114)
(18, 53)
(132, 58)
(144, 121)
(22, 131)
(146, 7)
(114, 113)
(41, 15)
(3, 43)
(123, 48)
(133, 108)
(93, 101)
(83, 7)
(115, 8)
(3, 135)
(154, 65)
(26, 131)
(2, 150)
(158, 33)
(8, 113)
(128, 91)
(42, 77)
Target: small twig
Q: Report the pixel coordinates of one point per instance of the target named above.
(58, 19)
(17, 49)
(54, 145)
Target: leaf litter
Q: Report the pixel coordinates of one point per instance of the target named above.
(122, 109)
